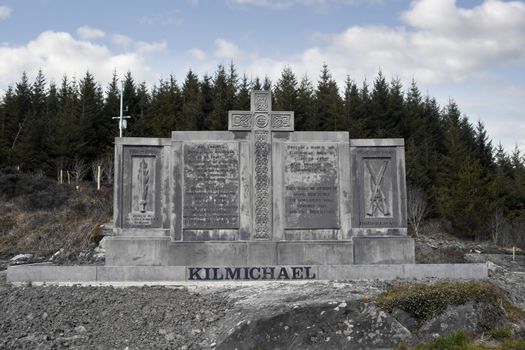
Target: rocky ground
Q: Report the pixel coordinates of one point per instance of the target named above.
(270, 315)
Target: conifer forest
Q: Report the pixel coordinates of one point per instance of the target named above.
(473, 187)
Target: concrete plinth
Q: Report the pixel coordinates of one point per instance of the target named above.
(383, 250)
(315, 253)
(39, 273)
(136, 251)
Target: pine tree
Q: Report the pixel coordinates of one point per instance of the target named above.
(143, 109)
(257, 84)
(95, 127)
(244, 96)
(352, 105)
(218, 118)
(7, 114)
(469, 207)
(305, 118)
(16, 123)
(130, 104)
(191, 103)
(68, 140)
(232, 83)
(112, 105)
(285, 94)
(363, 111)
(379, 108)
(328, 103)
(395, 109)
(267, 84)
(483, 147)
(34, 140)
(206, 102)
(166, 103)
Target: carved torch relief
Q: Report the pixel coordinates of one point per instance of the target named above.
(143, 181)
(142, 191)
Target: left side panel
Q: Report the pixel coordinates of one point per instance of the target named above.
(141, 203)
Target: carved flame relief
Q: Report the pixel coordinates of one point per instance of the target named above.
(143, 185)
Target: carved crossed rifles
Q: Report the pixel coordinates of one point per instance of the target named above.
(377, 197)
(143, 184)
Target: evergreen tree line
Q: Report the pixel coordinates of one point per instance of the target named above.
(477, 187)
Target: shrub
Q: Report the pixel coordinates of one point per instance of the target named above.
(425, 301)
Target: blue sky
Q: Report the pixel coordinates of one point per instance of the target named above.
(469, 50)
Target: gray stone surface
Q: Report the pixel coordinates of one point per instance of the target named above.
(312, 196)
(207, 254)
(48, 273)
(216, 197)
(379, 189)
(315, 253)
(311, 184)
(211, 185)
(136, 251)
(140, 273)
(262, 253)
(383, 250)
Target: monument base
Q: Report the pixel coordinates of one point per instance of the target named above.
(384, 250)
(160, 251)
(140, 275)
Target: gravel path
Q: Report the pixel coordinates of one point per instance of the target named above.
(107, 318)
(52, 317)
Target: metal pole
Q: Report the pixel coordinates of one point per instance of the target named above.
(121, 107)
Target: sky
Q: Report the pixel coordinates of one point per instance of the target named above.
(471, 51)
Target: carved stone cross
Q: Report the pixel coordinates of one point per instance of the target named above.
(261, 121)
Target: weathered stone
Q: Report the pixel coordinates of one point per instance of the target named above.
(258, 194)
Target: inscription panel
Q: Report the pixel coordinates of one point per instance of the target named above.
(141, 196)
(377, 191)
(211, 185)
(311, 186)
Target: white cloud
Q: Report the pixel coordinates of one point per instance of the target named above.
(514, 90)
(58, 53)
(140, 46)
(197, 54)
(164, 19)
(146, 47)
(228, 50)
(121, 40)
(5, 12)
(87, 32)
(438, 42)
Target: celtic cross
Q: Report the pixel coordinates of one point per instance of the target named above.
(261, 121)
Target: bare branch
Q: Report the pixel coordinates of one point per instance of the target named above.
(416, 207)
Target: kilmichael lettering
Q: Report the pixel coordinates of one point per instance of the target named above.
(251, 273)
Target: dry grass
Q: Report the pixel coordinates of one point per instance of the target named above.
(49, 217)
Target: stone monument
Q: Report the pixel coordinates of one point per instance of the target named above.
(257, 202)
(260, 194)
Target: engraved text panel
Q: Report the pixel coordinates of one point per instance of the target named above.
(211, 185)
(311, 186)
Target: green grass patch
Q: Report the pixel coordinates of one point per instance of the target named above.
(501, 333)
(460, 341)
(513, 344)
(423, 301)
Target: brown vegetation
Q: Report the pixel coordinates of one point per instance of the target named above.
(39, 216)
